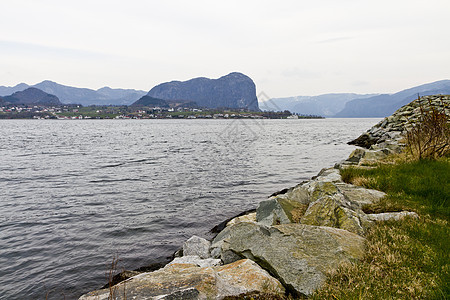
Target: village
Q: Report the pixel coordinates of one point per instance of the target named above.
(78, 112)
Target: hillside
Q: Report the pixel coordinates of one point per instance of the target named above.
(234, 90)
(32, 96)
(151, 102)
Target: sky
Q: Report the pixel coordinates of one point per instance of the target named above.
(288, 47)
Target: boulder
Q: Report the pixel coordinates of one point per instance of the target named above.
(392, 216)
(298, 255)
(330, 207)
(355, 156)
(245, 276)
(197, 246)
(359, 195)
(332, 211)
(170, 280)
(250, 218)
(323, 201)
(328, 175)
(187, 281)
(271, 212)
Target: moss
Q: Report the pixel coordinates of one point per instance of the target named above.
(293, 209)
(324, 189)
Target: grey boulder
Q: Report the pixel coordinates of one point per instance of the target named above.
(298, 255)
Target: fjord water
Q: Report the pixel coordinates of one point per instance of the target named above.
(73, 194)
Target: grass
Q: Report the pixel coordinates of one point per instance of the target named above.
(408, 259)
(422, 186)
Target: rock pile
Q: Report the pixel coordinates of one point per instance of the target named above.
(388, 136)
(389, 132)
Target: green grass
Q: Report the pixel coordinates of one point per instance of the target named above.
(408, 259)
(423, 186)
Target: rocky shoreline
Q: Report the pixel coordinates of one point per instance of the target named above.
(293, 239)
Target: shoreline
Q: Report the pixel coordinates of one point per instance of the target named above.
(298, 214)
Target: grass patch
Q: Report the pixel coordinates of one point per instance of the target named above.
(422, 186)
(408, 259)
(405, 260)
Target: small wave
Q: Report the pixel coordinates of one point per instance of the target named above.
(143, 160)
(115, 180)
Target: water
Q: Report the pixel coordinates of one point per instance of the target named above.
(73, 194)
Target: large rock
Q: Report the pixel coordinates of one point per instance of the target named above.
(332, 211)
(331, 207)
(323, 201)
(359, 195)
(166, 281)
(197, 246)
(245, 276)
(186, 281)
(250, 218)
(298, 255)
(280, 210)
(270, 212)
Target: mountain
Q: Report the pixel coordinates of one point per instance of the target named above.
(151, 102)
(325, 105)
(8, 90)
(385, 105)
(84, 96)
(32, 96)
(234, 90)
(121, 96)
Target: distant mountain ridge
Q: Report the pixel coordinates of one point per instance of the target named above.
(234, 90)
(32, 96)
(83, 96)
(385, 105)
(9, 90)
(326, 105)
(348, 105)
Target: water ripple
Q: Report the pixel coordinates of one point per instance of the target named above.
(74, 194)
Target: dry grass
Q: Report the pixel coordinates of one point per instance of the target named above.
(112, 284)
(404, 260)
(430, 136)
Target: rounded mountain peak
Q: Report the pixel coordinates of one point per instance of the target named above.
(234, 90)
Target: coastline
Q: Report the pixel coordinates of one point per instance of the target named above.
(323, 214)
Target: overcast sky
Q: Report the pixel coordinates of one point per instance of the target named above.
(288, 48)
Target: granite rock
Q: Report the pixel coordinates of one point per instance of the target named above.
(197, 246)
(298, 255)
